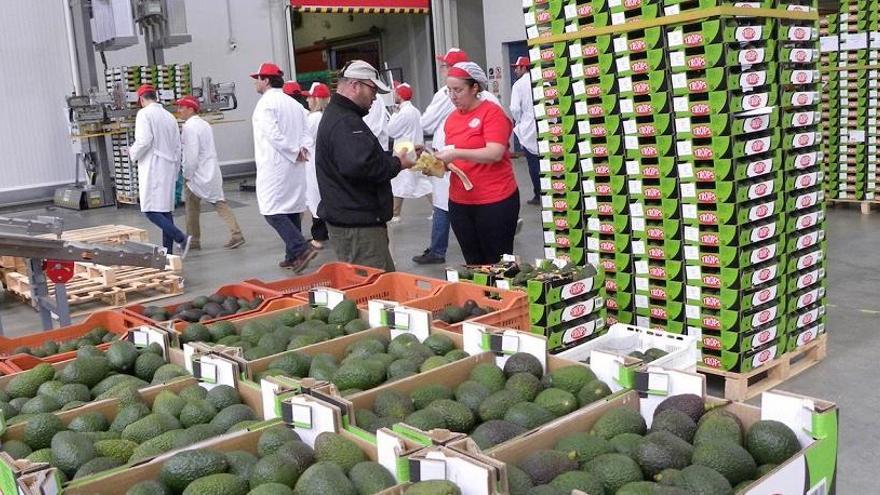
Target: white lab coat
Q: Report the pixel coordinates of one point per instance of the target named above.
(434, 122)
(522, 109)
(405, 126)
(156, 149)
(313, 195)
(377, 121)
(279, 135)
(200, 167)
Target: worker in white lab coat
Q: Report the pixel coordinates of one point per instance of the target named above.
(433, 119)
(280, 150)
(522, 109)
(318, 97)
(405, 126)
(377, 120)
(156, 149)
(204, 181)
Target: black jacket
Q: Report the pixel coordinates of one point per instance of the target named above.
(354, 173)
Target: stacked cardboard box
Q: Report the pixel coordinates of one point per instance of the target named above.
(699, 158)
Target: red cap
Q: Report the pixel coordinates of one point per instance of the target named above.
(188, 101)
(459, 73)
(404, 91)
(268, 69)
(144, 88)
(521, 62)
(291, 88)
(453, 56)
(318, 90)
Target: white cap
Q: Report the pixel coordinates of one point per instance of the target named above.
(360, 70)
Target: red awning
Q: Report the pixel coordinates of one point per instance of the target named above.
(363, 6)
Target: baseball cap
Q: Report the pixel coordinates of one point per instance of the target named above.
(363, 71)
(144, 88)
(188, 101)
(521, 62)
(318, 90)
(404, 90)
(268, 69)
(291, 88)
(454, 56)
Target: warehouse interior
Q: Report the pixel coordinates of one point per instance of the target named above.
(308, 40)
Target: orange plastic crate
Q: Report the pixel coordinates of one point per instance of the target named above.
(242, 290)
(516, 318)
(276, 304)
(511, 303)
(335, 275)
(117, 322)
(396, 286)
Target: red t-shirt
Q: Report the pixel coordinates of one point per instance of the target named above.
(493, 182)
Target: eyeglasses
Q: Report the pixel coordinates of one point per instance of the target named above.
(373, 87)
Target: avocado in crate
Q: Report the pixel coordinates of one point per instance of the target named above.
(96, 336)
(456, 314)
(203, 308)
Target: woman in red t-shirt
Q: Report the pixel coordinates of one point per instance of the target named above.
(477, 138)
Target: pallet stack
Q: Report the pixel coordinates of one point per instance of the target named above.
(696, 127)
(851, 47)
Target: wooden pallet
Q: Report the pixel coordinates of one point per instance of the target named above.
(110, 275)
(744, 386)
(864, 204)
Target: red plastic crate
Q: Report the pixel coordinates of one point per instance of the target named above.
(117, 322)
(242, 290)
(395, 286)
(337, 275)
(506, 305)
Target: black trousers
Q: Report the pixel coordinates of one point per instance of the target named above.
(319, 230)
(485, 232)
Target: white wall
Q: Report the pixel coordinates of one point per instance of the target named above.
(504, 24)
(35, 79)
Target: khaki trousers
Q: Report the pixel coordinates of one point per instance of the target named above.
(193, 210)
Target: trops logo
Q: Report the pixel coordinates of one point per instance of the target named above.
(693, 39)
(577, 288)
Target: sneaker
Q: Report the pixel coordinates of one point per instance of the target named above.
(429, 258)
(234, 242)
(519, 224)
(183, 247)
(394, 220)
(302, 261)
(534, 201)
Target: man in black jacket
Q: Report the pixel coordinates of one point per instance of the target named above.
(354, 174)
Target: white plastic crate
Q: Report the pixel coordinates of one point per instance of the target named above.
(623, 339)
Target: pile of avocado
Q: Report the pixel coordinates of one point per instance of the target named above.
(291, 329)
(687, 451)
(90, 443)
(204, 308)
(456, 314)
(370, 362)
(649, 355)
(97, 335)
(433, 487)
(493, 405)
(547, 271)
(93, 375)
(283, 465)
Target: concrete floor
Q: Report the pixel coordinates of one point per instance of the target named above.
(847, 377)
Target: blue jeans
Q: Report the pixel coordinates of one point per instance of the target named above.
(288, 227)
(534, 162)
(170, 233)
(440, 232)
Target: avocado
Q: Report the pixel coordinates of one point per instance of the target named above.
(128, 415)
(332, 447)
(42, 455)
(320, 313)
(440, 344)
(719, 425)
(518, 482)
(455, 355)
(149, 487)
(144, 429)
(700, 480)
(40, 429)
(40, 404)
(357, 374)
(88, 421)
(297, 455)
(558, 401)
(273, 438)
(433, 362)
(370, 477)
(146, 364)
(546, 490)
(232, 415)
(70, 451)
(95, 466)
(223, 396)
(185, 467)
(274, 469)
(614, 470)
(168, 372)
(434, 487)
(494, 432)
(167, 402)
(271, 489)
(584, 447)
(543, 466)
(569, 378)
(528, 415)
(489, 375)
(423, 396)
(426, 419)
(121, 355)
(457, 416)
(17, 449)
(365, 348)
(456, 314)
(324, 478)
(218, 484)
(675, 422)
(197, 412)
(649, 488)
(728, 458)
(764, 470)
(673, 442)
(401, 368)
(525, 384)
(27, 383)
(342, 313)
(654, 457)
(690, 404)
(771, 442)
(393, 404)
(103, 386)
(471, 394)
(355, 326)
(118, 449)
(592, 391)
(496, 405)
(578, 480)
(241, 463)
(619, 420)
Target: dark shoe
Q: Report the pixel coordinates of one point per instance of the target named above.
(534, 201)
(303, 260)
(233, 243)
(519, 224)
(429, 258)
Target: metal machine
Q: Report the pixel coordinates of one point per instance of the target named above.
(53, 260)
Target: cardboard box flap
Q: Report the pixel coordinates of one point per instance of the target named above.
(325, 297)
(478, 339)
(216, 368)
(399, 319)
(145, 335)
(474, 475)
(795, 411)
(310, 416)
(394, 446)
(655, 384)
(275, 389)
